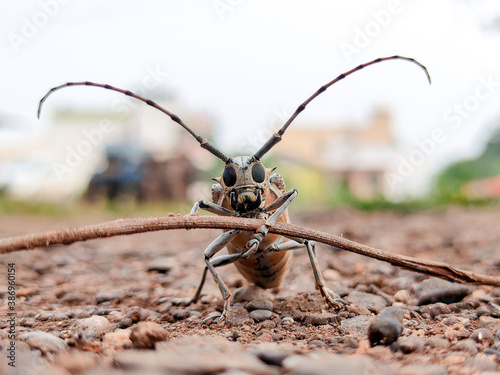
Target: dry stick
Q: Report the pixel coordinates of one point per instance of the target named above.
(140, 225)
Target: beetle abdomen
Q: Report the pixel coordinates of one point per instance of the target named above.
(267, 270)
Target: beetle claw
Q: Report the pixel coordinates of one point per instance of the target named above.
(252, 246)
(213, 318)
(332, 298)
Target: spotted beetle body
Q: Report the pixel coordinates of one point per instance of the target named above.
(245, 186)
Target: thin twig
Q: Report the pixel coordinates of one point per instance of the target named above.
(141, 225)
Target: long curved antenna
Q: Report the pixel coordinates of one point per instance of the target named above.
(204, 143)
(276, 137)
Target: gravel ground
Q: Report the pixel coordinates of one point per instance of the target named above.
(99, 308)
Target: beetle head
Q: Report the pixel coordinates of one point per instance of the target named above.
(245, 181)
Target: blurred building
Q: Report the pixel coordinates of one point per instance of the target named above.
(57, 161)
(359, 155)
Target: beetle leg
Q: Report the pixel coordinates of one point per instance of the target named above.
(210, 251)
(211, 207)
(282, 200)
(216, 262)
(226, 294)
(280, 204)
(331, 297)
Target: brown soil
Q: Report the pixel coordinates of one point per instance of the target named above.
(58, 286)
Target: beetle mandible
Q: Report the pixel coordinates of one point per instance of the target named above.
(248, 189)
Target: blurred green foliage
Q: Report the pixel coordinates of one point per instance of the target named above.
(450, 183)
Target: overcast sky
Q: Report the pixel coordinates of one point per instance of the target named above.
(245, 61)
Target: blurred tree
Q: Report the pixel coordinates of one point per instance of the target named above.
(450, 182)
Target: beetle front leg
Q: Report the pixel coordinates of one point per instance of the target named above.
(210, 251)
(211, 207)
(280, 204)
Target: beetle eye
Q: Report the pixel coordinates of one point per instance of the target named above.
(229, 176)
(258, 173)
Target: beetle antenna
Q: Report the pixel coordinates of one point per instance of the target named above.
(276, 137)
(204, 143)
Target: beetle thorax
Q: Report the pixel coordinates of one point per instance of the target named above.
(245, 181)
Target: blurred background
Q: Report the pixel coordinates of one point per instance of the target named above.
(235, 71)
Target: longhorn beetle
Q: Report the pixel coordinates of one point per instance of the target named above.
(248, 189)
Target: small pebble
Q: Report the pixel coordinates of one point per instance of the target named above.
(135, 314)
(494, 308)
(180, 314)
(402, 296)
(260, 315)
(351, 342)
(438, 290)
(76, 361)
(493, 324)
(117, 340)
(370, 301)
(44, 341)
(483, 336)
(86, 339)
(85, 312)
(238, 316)
(449, 321)
(272, 357)
(357, 325)
(145, 335)
(125, 322)
(321, 319)
(259, 304)
(96, 324)
(161, 265)
(110, 295)
(317, 344)
(468, 346)
(287, 320)
(74, 298)
(386, 327)
(437, 342)
(251, 293)
(267, 324)
(438, 309)
(411, 344)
